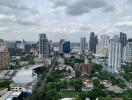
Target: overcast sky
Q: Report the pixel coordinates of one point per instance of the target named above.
(68, 19)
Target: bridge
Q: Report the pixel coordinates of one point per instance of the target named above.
(31, 67)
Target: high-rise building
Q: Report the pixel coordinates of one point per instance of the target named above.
(123, 41)
(114, 59)
(4, 57)
(20, 45)
(104, 40)
(43, 46)
(83, 44)
(102, 47)
(51, 45)
(127, 55)
(61, 46)
(1, 42)
(66, 47)
(27, 48)
(98, 48)
(93, 42)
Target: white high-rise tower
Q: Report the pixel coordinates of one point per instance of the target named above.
(127, 54)
(102, 47)
(114, 60)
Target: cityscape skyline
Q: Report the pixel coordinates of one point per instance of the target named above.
(21, 20)
(65, 50)
(60, 36)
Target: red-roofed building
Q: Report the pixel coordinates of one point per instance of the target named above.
(83, 68)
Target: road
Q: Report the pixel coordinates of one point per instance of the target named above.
(48, 74)
(30, 67)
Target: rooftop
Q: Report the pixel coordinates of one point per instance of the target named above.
(67, 99)
(2, 48)
(1, 89)
(12, 95)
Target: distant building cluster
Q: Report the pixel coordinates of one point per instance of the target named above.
(116, 50)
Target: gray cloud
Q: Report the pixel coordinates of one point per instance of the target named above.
(129, 1)
(83, 6)
(16, 13)
(15, 5)
(110, 8)
(85, 28)
(79, 7)
(15, 21)
(59, 3)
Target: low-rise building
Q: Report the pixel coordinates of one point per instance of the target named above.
(67, 75)
(16, 87)
(24, 63)
(115, 89)
(67, 99)
(83, 68)
(11, 95)
(35, 52)
(88, 85)
(3, 91)
(106, 83)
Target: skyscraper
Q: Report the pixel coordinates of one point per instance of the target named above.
(51, 45)
(114, 59)
(127, 52)
(43, 46)
(66, 47)
(61, 46)
(123, 41)
(83, 44)
(93, 42)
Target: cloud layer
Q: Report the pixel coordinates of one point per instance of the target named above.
(79, 7)
(65, 18)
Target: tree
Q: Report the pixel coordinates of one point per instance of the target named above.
(5, 84)
(78, 73)
(97, 67)
(48, 92)
(82, 96)
(78, 85)
(108, 97)
(32, 62)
